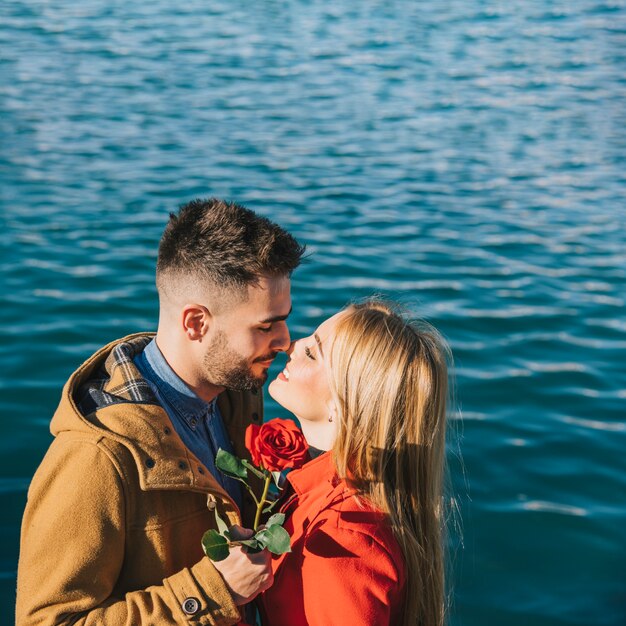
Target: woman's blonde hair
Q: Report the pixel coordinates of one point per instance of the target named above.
(389, 379)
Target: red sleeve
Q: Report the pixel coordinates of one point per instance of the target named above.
(349, 578)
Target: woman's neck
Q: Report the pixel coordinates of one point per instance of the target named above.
(319, 435)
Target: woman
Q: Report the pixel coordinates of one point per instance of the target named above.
(369, 389)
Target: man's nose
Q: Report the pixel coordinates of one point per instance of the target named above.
(282, 340)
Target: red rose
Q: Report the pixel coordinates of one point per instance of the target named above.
(277, 445)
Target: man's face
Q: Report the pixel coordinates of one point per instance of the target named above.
(244, 340)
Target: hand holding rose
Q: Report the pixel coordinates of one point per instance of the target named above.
(274, 446)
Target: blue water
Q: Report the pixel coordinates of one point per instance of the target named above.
(464, 156)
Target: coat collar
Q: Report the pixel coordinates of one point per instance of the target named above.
(318, 478)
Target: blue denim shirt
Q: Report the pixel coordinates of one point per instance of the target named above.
(198, 423)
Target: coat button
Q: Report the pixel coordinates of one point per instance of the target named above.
(150, 463)
(255, 417)
(182, 465)
(191, 606)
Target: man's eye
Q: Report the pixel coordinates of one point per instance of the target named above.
(265, 329)
(309, 354)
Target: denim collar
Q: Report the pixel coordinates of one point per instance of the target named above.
(182, 399)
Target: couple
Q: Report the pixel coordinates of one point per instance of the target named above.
(116, 511)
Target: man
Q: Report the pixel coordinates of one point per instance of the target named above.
(115, 515)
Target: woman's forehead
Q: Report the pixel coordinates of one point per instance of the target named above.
(327, 328)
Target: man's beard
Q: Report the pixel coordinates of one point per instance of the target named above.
(224, 367)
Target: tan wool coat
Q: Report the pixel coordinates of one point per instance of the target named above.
(117, 509)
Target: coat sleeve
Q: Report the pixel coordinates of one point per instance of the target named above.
(349, 578)
(72, 551)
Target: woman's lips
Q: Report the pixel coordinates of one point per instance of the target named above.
(284, 375)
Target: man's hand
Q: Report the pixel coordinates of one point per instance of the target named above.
(246, 575)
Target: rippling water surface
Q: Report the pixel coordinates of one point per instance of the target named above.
(464, 156)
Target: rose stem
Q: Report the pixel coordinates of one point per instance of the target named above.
(259, 508)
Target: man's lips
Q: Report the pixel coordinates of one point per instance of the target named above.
(265, 360)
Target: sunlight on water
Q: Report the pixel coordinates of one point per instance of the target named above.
(465, 157)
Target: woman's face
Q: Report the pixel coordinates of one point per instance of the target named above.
(302, 387)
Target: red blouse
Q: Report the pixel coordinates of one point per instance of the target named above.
(345, 566)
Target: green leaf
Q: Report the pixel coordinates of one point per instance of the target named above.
(230, 465)
(275, 538)
(277, 518)
(222, 527)
(257, 472)
(262, 538)
(214, 545)
(251, 544)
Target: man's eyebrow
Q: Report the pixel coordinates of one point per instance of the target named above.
(276, 318)
(319, 344)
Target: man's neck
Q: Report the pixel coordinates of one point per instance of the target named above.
(181, 365)
(205, 391)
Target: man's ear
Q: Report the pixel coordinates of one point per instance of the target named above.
(196, 321)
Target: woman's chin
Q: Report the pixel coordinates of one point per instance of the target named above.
(271, 389)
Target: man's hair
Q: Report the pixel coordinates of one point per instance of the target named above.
(224, 245)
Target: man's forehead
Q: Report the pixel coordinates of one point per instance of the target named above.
(276, 318)
(269, 300)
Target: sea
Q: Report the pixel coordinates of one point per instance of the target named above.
(464, 157)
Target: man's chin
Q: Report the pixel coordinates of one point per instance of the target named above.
(247, 382)
(256, 383)
(260, 379)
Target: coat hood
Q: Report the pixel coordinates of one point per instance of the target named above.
(107, 399)
(108, 378)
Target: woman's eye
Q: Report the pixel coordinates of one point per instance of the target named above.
(309, 354)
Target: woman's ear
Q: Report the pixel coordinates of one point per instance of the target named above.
(196, 320)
